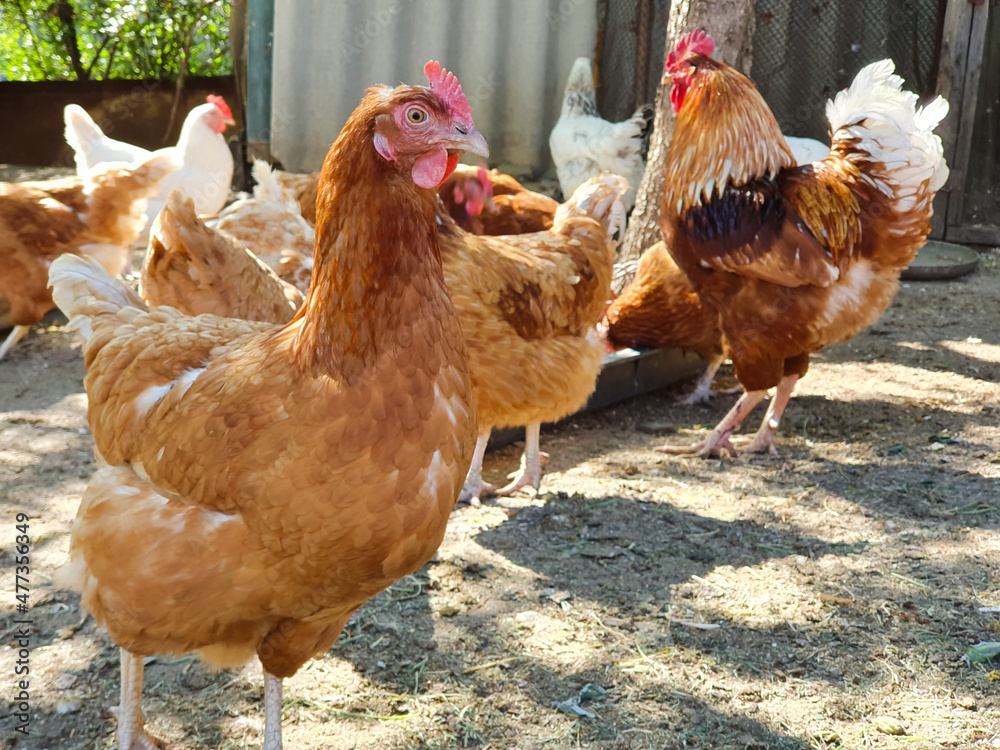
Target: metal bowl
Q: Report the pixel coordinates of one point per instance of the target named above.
(941, 260)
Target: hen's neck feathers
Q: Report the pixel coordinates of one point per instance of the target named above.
(377, 265)
(725, 134)
(196, 135)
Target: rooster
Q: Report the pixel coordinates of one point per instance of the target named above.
(99, 215)
(584, 144)
(792, 257)
(258, 483)
(206, 171)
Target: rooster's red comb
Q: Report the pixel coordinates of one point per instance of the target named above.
(695, 43)
(219, 102)
(447, 88)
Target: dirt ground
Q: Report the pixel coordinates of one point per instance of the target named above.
(820, 597)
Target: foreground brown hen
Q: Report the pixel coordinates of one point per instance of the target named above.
(99, 216)
(259, 483)
(792, 257)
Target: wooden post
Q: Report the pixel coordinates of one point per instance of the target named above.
(730, 23)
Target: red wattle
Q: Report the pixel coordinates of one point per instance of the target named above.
(452, 163)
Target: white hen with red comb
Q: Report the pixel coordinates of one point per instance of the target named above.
(206, 171)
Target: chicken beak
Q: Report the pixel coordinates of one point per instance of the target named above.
(471, 141)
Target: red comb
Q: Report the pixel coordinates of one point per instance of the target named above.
(447, 88)
(695, 43)
(219, 102)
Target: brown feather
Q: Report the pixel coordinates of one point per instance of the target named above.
(99, 217)
(660, 308)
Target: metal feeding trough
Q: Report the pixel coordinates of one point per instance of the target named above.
(624, 375)
(941, 260)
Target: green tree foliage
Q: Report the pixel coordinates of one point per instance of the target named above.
(98, 39)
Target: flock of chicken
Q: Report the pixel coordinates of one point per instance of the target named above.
(286, 414)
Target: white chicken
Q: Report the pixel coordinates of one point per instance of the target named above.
(584, 145)
(206, 171)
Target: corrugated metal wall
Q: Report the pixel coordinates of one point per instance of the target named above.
(511, 56)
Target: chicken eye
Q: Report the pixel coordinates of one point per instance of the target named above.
(416, 115)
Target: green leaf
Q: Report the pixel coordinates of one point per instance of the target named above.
(981, 652)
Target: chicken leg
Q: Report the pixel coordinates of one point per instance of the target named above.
(764, 439)
(474, 484)
(718, 441)
(16, 334)
(131, 734)
(530, 472)
(703, 388)
(272, 712)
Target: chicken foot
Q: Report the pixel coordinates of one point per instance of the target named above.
(703, 388)
(131, 734)
(16, 334)
(718, 440)
(475, 487)
(530, 472)
(764, 439)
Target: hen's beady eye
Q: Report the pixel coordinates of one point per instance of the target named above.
(416, 115)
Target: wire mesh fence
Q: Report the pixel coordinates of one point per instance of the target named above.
(805, 51)
(982, 187)
(631, 39)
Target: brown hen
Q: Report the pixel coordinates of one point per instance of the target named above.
(98, 216)
(259, 483)
(659, 308)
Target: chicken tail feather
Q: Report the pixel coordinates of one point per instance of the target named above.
(88, 294)
(876, 124)
(81, 131)
(599, 198)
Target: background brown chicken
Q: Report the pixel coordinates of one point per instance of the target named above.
(259, 483)
(301, 187)
(99, 216)
(200, 270)
(792, 258)
(528, 305)
(271, 225)
(659, 308)
(490, 202)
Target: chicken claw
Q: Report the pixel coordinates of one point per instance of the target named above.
(475, 487)
(530, 472)
(718, 440)
(703, 388)
(707, 448)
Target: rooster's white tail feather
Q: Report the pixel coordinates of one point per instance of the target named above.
(875, 120)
